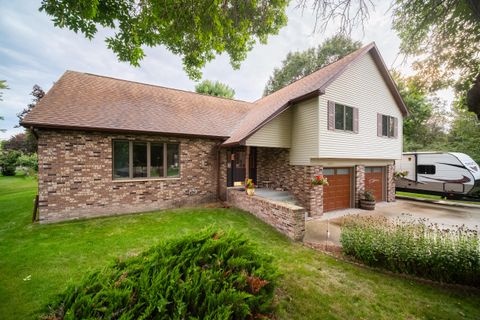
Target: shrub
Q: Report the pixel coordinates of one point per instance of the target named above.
(208, 275)
(414, 247)
(29, 163)
(8, 162)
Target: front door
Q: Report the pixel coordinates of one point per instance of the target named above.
(236, 166)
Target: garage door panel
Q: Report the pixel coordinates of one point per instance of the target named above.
(374, 181)
(337, 194)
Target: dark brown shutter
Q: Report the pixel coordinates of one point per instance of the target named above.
(331, 115)
(355, 120)
(379, 125)
(395, 127)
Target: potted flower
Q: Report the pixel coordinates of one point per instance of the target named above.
(319, 181)
(367, 201)
(250, 187)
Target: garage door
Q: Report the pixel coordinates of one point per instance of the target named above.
(374, 181)
(338, 194)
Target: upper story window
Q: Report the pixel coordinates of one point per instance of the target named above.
(136, 159)
(387, 126)
(342, 117)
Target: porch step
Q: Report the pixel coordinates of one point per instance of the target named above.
(283, 196)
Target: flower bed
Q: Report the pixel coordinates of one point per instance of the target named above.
(414, 247)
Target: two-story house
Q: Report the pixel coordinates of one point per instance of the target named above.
(108, 146)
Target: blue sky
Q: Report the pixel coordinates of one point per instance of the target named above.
(33, 51)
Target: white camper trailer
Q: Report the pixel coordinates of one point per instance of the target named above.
(448, 174)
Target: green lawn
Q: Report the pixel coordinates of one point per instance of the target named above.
(313, 285)
(430, 197)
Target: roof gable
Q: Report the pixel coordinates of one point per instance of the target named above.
(312, 85)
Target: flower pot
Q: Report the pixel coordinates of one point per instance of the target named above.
(367, 204)
(250, 192)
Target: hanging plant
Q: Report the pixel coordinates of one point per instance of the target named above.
(319, 181)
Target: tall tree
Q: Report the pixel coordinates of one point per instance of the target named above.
(445, 34)
(3, 86)
(424, 128)
(23, 142)
(195, 30)
(464, 135)
(27, 140)
(38, 94)
(441, 35)
(301, 63)
(216, 89)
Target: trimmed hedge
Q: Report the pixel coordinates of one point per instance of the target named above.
(414, 247)
(208, 275)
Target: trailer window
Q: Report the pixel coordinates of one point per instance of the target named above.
(426, 169)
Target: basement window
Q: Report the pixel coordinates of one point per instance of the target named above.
(145, 160)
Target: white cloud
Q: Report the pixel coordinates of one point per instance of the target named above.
(33, 51)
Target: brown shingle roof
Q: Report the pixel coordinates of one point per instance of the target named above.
(86, 101)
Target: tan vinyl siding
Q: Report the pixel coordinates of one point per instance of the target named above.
(275, 134)
(304, 132)
(363, 87)
(350, 162)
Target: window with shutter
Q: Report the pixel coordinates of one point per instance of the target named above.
(355, 120)
(331, 115)
(379, 125)
(387, 126)
(343, 118)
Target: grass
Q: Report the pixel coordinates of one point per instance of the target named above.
(313, 285)
(431, 197)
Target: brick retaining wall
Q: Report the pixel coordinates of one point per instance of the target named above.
(286, 218)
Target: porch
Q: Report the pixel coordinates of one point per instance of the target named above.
(275, 178)
(284, 216)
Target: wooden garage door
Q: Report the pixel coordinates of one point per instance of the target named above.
(374, 181)
(337, 195)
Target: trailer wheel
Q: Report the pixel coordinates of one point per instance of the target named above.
(452, 197)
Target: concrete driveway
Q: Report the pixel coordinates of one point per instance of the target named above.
(326, 229)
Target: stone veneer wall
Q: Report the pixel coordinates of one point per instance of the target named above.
(359, 183)
(286, 218)
(75, 176)
(273, 165)
(390, 183)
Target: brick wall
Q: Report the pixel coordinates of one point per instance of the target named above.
(359, 183)
(273, 165)
(75, 176)
(222, 190)
(286, 218)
